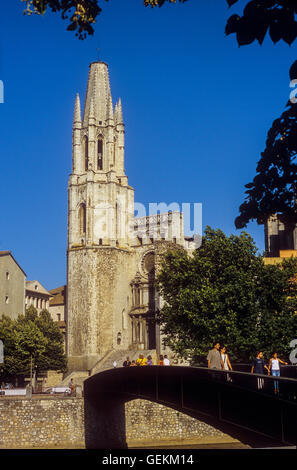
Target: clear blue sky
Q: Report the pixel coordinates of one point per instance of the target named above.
(197, 109)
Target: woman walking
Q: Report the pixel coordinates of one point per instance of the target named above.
(274, 367)
(226, 364)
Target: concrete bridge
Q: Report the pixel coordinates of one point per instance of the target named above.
(232, 402)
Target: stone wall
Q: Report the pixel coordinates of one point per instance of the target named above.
(50, 422)
(150, 422)
(44, 422)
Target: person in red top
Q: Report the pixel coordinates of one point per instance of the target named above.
(161, 361)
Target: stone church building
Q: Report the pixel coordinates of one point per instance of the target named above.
(112, 257)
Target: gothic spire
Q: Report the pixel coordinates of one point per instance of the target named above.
(109, 114)
(99, 90)
(92, 110)
(77, 112)
(120, 113)
(116, 113)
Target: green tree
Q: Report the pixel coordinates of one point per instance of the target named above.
(260, 17)
(274, 188)
(53, 357)
(82, 14)
(22, 340)
(30, 342)
(219, 294)
(8, 335)
(31, 336)
(278, 316)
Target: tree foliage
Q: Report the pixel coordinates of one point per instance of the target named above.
(82, 14)
(225, 293)
(31, 335)
(262, 17)
(274, 188)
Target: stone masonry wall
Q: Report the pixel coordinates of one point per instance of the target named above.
(147, 421)
(45, 422)
(59, 422)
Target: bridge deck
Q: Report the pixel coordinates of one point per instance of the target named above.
(236, 398)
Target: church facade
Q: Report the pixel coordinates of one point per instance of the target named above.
(112, 257)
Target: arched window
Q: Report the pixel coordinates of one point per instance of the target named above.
(82, 219)
(137, 294)
(124, 320)
(86, 152)
(114, 152)
(116, 221)
(100, 154)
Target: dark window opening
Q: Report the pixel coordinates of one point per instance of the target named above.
(137, 295)
(100, 155)
(86, 152)
(82, 219)
(100, 241)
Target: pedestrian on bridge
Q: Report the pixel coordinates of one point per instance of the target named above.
(149, 361)
(166, 361)
(258, 367)
(274, 367)
(127, 362)
(141, 361)
(226, 364)
(214, 359)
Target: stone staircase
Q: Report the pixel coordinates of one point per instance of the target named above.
(105, 363)
(120, 357)
(77, 376)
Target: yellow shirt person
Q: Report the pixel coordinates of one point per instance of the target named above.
(141, 361)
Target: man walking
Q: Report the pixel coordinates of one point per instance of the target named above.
(214, 360)
(258, 366)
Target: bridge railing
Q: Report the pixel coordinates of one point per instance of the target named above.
(283, 387)
(289, 371)
(246, 400)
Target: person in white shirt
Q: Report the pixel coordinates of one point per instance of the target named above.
(226, 364)
(274, 367)
(166, 361)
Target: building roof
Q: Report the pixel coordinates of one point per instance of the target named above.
(58, 296)
(6, 253)
(35, 286)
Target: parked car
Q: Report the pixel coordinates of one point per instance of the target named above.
(65, 391)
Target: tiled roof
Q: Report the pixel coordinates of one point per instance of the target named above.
(30, 286)
(59, 295)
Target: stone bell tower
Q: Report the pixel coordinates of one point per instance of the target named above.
(100, 210)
